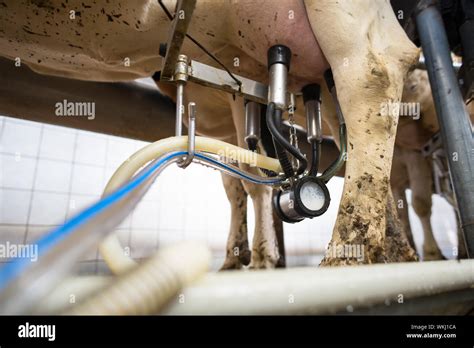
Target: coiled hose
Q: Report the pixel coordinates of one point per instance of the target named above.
(151, 285)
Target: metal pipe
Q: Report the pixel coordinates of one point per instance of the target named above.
(312, 105)
(191, 136)
(252, 124)
(180, 76)
(179, 108)
(323, 290)
(313, 121)
(458, 302)
(455, 126)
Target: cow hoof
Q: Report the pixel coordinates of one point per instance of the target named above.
(231, 264)
(267, 262)
(432, 255)
(332, 261)
(244, 257)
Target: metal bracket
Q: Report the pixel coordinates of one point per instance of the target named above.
(201, 73)
(179, 27)
(219, 79)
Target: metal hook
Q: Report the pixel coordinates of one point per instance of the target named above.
(191, 136)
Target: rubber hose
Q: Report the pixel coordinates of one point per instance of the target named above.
(281, 144)
(315, 153)
(279, 151)
(110, 249)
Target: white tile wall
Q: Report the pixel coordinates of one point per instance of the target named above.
(17, 172)
(48, 208)
(14, 206)
(58, 143)
(87, 179)
(53, 175)
(91, 148)
(20, 137)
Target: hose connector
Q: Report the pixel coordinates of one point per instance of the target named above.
(181, 71)
(252, 124)
(181, 74)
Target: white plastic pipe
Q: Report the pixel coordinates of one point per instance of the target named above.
(320, 290)
(111, 249)
(71, 291)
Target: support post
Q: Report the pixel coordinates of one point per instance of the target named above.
(453, 118)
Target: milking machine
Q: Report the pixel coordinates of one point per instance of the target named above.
(304, 194)
(300, 192)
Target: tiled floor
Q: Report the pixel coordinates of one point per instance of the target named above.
(49, 173)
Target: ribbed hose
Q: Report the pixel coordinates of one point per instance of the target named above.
(146, 288)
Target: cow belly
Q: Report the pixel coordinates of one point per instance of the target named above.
(118, 40)
(102, 41)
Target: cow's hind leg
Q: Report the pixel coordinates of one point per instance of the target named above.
(265, 244)
(237, 250)
(421, 183)
(369, 55)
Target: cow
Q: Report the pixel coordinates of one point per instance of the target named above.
(412, 169)
(361, 41)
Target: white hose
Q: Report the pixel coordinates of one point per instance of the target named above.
(321, 290)
(150, 285)
(111, 250)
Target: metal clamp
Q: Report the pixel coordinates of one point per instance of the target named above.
(191, 136)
